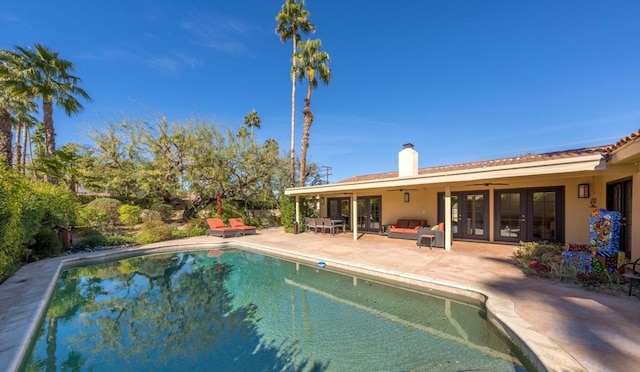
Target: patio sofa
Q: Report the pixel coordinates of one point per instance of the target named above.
(405, 228)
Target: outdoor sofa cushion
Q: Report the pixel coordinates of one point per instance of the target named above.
(218, 228)
(238, 223)
(406, 228)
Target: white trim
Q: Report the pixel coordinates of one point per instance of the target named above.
(528, 169)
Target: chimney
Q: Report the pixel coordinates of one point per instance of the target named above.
(407, 161)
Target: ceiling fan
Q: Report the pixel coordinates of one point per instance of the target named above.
(488, 184)
(403, 190)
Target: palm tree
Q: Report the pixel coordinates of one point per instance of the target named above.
(252, 120)
(292, 19)
(41, 73)
(313, 65)
(23, 122)
(6, 121)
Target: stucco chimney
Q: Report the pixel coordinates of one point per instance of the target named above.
(407, 161)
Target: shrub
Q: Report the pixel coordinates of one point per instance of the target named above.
(26, 207)
(109, 206)
(287, 213)
(151, 215)
(91, 216)
(165, 211)
(47, 243)
(100, 241)
(153, 231)
(540, 258)
(130, 214)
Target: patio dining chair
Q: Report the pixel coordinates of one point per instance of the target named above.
(632, 273)
(310, 224)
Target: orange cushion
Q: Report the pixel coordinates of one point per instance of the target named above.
(441, 226)
(215, 223)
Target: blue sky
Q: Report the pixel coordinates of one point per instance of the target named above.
(461, 80)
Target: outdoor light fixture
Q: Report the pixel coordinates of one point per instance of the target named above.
(583, 190)
(406, 197)
(322, 200)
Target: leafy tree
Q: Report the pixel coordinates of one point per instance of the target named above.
(292, 19)
(313, 65)
(14, 109)
(183, 164)
(63, 166)
(41, 73)
(252, 120)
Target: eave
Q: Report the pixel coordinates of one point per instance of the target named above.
(531, 169)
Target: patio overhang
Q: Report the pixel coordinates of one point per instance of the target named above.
(562, 167)
(625, 152)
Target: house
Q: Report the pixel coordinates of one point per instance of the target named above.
(533, 197)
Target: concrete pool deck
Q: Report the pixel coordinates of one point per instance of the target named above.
(567, 328)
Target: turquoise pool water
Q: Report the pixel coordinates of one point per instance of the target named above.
(243, 311)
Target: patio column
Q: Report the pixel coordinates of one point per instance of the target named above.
(354, 216)
(447, 218)
(298, 210)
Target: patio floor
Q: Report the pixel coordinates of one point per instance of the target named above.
(568, 328)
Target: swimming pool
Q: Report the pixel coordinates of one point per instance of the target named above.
(233, 309)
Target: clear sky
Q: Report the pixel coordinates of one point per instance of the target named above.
(461, 80)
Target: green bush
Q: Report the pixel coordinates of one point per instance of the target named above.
(98, 240)
(109, 206)
(26, 207)
(154, 231)
(165, 211)
(92, 216)
(151, 215)
(47, 243)
(130, 214)
(287, 213)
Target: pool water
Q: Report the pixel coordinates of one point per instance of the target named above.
(237, 310)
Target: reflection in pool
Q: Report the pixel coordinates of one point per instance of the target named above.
(232, 309)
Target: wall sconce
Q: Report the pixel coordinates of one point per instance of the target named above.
(583, 190)
(322, 200)
(406, 197)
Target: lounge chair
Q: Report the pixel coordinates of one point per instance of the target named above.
(218, 228)
(237, 223)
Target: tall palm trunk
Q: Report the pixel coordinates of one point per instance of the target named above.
(292, 162)
(6, 137)
(49, 132)
(26, 140)
(308, 120)
(17, 148)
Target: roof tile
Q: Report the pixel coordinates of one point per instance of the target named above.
(527, 158)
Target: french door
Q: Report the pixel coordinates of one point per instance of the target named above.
(340, 209)
(529, 215)
(369, 213)
(619, 199)
(469, 214)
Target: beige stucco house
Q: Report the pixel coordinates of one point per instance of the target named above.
(531, 197)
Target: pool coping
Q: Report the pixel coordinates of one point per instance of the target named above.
(25, 296)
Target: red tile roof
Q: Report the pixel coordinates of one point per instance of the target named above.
(632, 137)
(528, 158)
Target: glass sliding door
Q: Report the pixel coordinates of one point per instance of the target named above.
(475, 212)
(530, 215)
(469, 214)
(339, 209)
(543, 216)
(619, 200)
(369, 213)
(509, 220)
